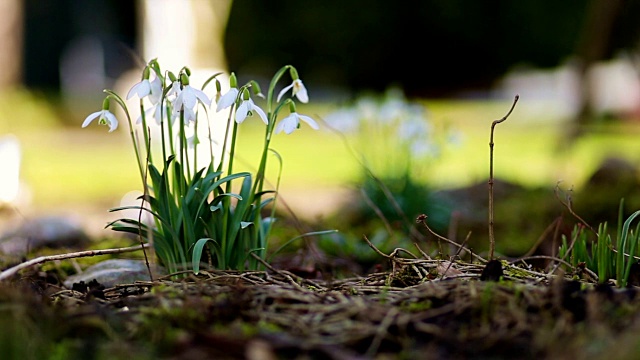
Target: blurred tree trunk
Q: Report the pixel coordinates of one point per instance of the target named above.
(11, 43)
(196, 42)
(592, 47)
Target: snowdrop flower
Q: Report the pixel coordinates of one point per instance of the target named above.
(189, 96)
(367, 107)
(292, 122)
(413, 128)
(344, 120)
(146, 88)
(247, 108)
(105, 117)
(298, 90)
(298, 87)
(174, 90)
(229, 98)
(187, 100)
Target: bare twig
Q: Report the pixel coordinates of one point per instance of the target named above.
(457, 253)
(375, 248)
(555, 224)
(573, 242)
(567, 205)
(492, 241)
(42, 259)
(423, 219)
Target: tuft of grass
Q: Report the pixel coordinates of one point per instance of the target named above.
(600, 255)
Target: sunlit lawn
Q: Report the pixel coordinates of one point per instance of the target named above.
(67, 165)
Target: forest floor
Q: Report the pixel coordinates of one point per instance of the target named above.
(421, 308)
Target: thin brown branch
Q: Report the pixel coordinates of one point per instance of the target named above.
(569, 208)
(492, 241)
(42, 259)
(423, 219)
(457, 253)
(555, 224)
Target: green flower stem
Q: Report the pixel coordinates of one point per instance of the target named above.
(232, 152)
(170, 132)
(136, 148)
(226, 138)
(162, 130)
(184, 157)
(259, 181)
(145, 133)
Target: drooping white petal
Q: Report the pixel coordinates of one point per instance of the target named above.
(283, 91)
(200, 95)
(186, 98)
(157, 113)
(288, 124)
(309, 121)
(227, 99)
(111, 120)
(174, 89)
(141, 89)
(261, 113)
(242, 112)
(300, 91)
(189, 115)
(156, 90)
(279, 126)
(90, 118)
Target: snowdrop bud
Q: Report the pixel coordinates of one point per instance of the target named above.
(172, 77)
(218, 90)
(184, 79)
(146, 73)
(187, 71)
(105, 103)
(294, 73)
(233, 81)
(256, 89)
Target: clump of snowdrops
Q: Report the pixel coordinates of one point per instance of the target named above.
(209, 212)
(394, 139)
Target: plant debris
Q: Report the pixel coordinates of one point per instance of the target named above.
(419, 307)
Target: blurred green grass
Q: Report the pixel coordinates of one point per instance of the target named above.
(64, 164)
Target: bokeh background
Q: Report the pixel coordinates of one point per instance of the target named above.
(575, 65)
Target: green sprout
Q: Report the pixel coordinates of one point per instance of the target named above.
(600, 255)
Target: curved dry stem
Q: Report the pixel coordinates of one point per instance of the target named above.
(567, 205)
(423, 219)
(492, 241)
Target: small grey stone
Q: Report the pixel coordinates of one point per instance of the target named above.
(113, 272)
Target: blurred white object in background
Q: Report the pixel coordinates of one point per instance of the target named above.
(555, 93)
(9, 169)
(197, 44)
